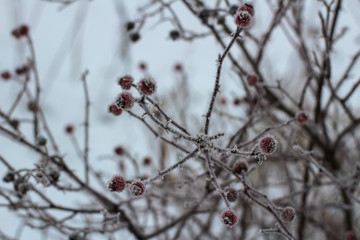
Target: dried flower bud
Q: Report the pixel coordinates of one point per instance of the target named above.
(268, 145)
(117, 184)
(229, 218)
(288, 214)
(125, 100)
(137, 189)
(147, 86)
(240, 166)
(232, 195)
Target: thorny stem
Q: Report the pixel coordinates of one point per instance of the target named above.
(217, 79)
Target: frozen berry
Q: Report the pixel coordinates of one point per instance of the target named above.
(137, 189)
(41, 141)
(54, 175)
(229, 218)
(288, 214)
(204, 15)
(147, 86)
(115, 110)
(301, 117)
(268, 145)
(240, 166)
(125, 82)
(125, 100)
(252, 80)
(6, 75)
(243, 19)
(22, 70)
(232, 195)
(117, 184)
(248, 8)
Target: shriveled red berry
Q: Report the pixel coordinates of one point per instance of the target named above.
(252, 80)
(248, 8)
(229, 218)
(125, 100)
(240, 166)
(21, 31)
(119, 150)
(243, 19)
(117, 184)
(137, 189)
(115, 110)
(288, 214)
(147, 161)
(301, 117)
(6, 75)
(232, 195)
(268, 145)
(69, 129)
(125, 82)
(237, 101)
(147, 86)
(32, 106)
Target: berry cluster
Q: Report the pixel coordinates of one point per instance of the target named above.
(244, 15)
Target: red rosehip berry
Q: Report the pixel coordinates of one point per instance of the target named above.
(22, 30)
(301, 117)
(6, 75)
(288, 214)
(147, 86)
(126, 82)
(248, 8)
(240, 166)
(268, 145)
(229, 218)
(252, 80)
(115, 110)
(117, 184)
(243, 19)
(119, 150)
(69, 129)
(136, 189)
(125, 100)
(232, 195)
